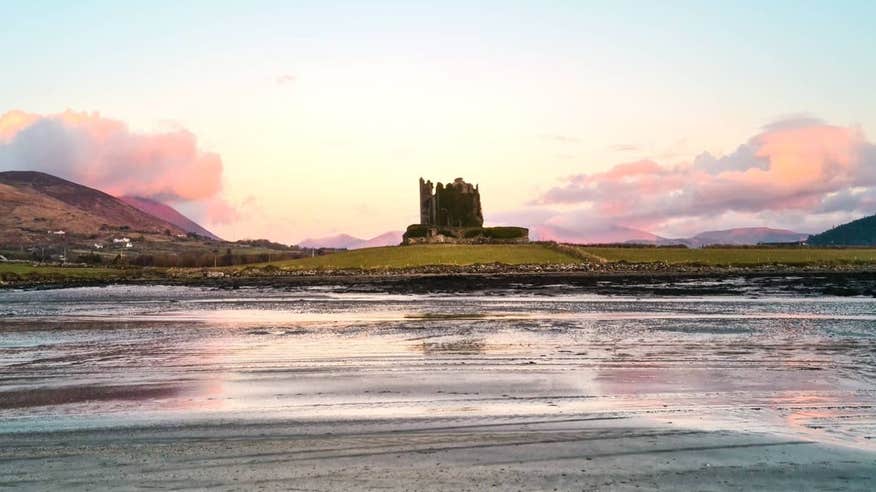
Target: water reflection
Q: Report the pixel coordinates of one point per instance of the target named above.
(788, 366)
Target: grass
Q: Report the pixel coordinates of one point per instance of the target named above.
(394, 257)
(735, 256)
(400, 257)
(26, 271)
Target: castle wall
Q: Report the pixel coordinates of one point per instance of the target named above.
(458, 204)
(427, 203)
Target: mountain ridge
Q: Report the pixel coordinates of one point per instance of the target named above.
(346, 241)
(859, 232)
(33, 203)
(168, 214)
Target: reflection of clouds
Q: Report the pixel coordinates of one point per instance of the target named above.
(836, 416)
(705, 363)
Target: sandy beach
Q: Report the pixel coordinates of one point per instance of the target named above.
(549, 387)
(429, 454)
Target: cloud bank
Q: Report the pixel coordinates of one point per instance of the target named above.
(104, 153)
(795, 173)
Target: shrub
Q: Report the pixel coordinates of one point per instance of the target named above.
(506, 232)
(417, 230)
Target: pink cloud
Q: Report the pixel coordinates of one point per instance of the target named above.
(104, 153)
(799, 166)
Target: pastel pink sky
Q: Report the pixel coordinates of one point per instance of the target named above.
(797, 167)
(803, 169)
(103, 153)
(289, 120)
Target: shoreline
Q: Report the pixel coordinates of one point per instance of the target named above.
(840, 280)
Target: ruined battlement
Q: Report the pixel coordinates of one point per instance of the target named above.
(456, 204)
(451, 213)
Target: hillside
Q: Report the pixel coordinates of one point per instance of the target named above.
(396, 257)
(168, 214)
(861, 232)
(34, 203)
(595, 258)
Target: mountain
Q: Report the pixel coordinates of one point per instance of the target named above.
(747, 235)
(391, 238)
(627, 235)
(167, 214)
(861, 232)
(601, 235)
(345, 241)
(340, 241)
(34, 203)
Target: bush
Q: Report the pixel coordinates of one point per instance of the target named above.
(506, 232)
(417, 230)
(90, 258)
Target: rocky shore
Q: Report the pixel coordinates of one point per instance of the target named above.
(621, 278)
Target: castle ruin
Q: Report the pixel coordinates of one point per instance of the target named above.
(452, 213)
(457, 204)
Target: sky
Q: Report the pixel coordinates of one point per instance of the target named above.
(288, 120)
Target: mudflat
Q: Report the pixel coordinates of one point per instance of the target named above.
(571, 453)
(523, 386)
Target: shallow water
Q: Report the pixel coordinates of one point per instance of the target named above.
(802, 367)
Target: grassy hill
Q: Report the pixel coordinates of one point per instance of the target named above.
(734, 256)
(32, 203)
(395, 257)
(400, 257)
(861, 232)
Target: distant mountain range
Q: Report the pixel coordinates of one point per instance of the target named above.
(345, 241)
(168, 214)
(606, 235)
(602, 235)
(618, 234)
(741, 236)
(861, 232)
(35, 205)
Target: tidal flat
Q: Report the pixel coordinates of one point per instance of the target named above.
(518, 386)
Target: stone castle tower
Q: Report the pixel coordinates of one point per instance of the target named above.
(458, 204)
(427, 203)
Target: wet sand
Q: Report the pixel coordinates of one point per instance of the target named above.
(433, 454)
(513, 388)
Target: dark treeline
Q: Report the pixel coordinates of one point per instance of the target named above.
(208, 259)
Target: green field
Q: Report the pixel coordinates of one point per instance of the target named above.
(26, 271)
(402, 257)
(391, 257)
(397, 257)
(735, 256)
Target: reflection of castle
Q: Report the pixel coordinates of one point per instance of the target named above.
(458, 204)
